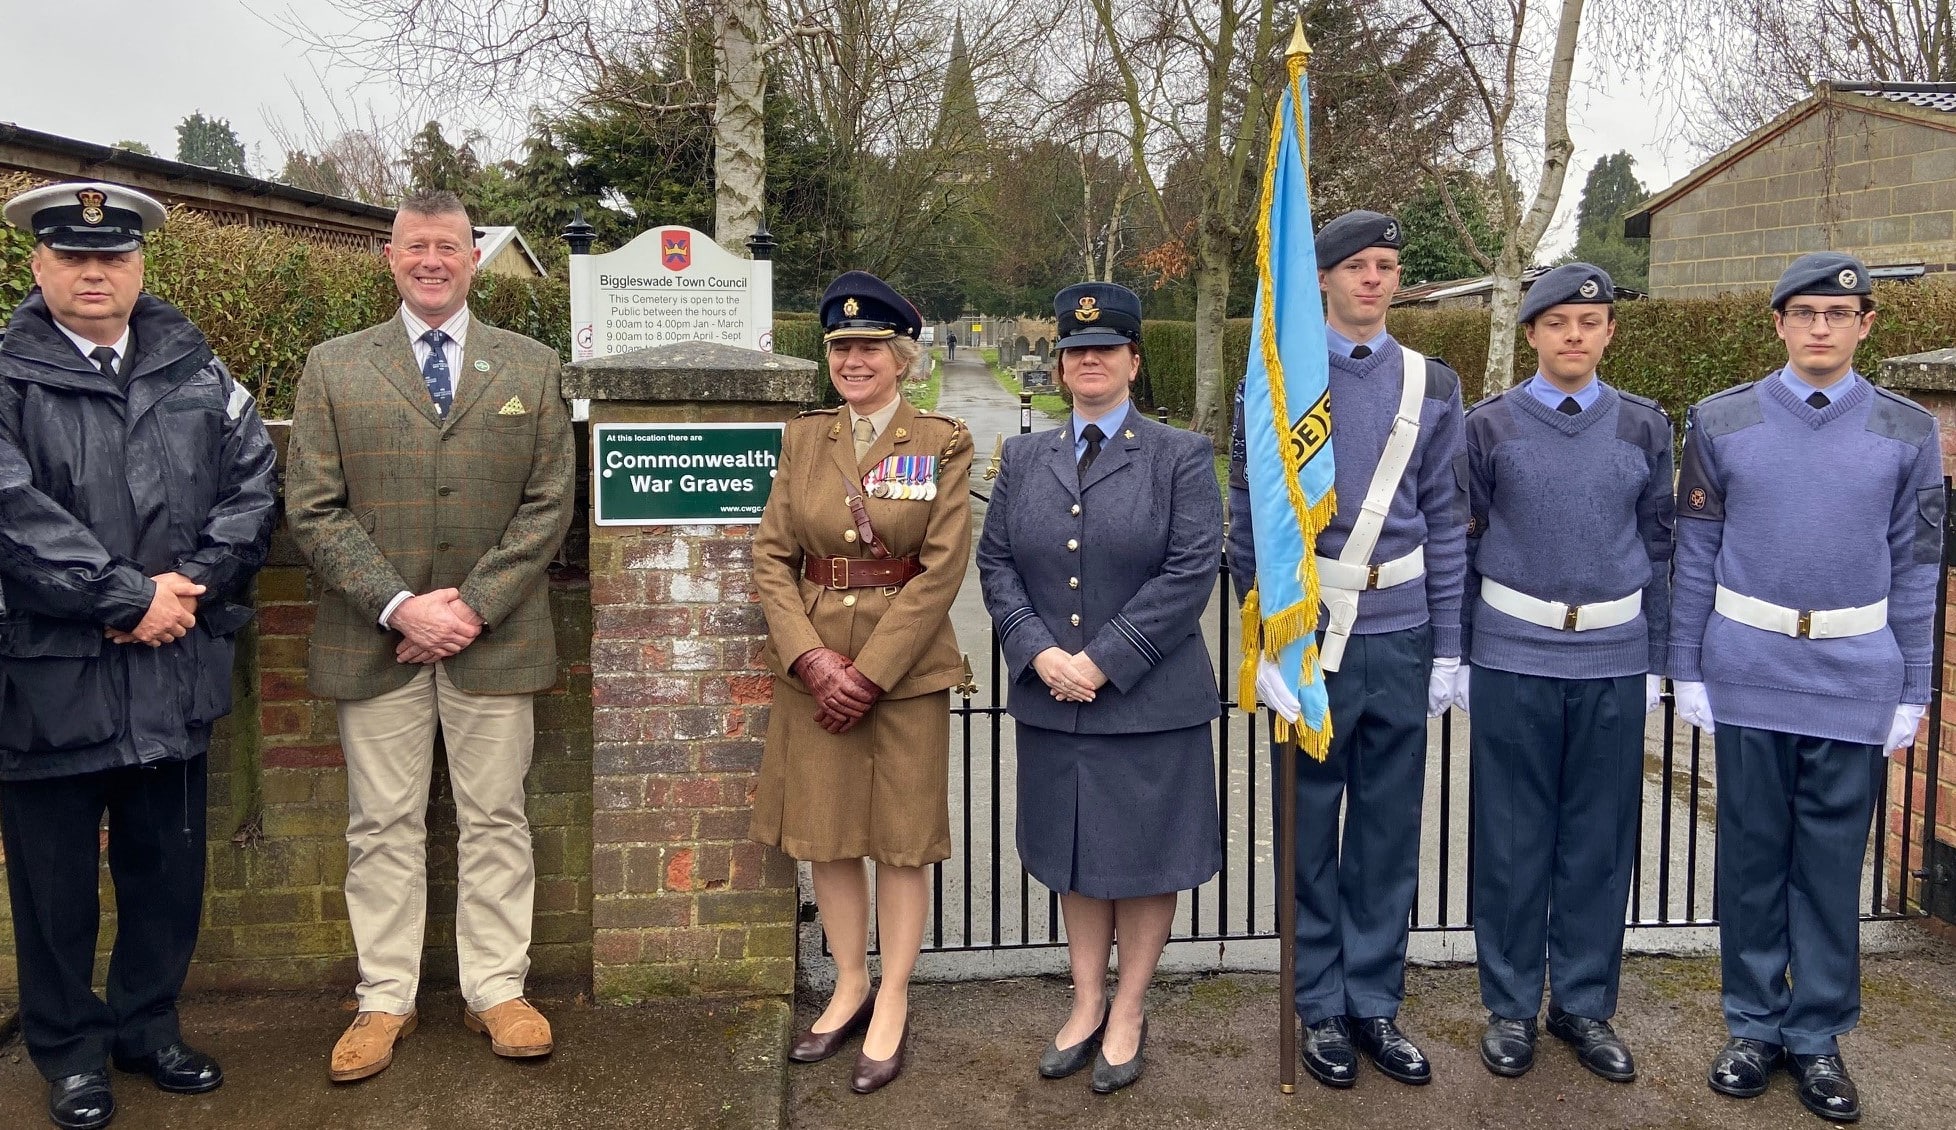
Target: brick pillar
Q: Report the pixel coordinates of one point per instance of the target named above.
(1929, 379)
(681, 902)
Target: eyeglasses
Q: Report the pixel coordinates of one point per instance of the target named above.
(1801, 317)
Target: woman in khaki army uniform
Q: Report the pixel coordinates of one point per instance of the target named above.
(859, 555)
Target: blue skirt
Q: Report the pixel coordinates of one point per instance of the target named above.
(1115, 816)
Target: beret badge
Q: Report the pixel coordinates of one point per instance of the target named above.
(1847, 278)
(1588, 289)
(851, 308)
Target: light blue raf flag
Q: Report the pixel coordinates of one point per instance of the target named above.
(1287, 425)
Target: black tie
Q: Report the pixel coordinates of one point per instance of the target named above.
(104, 358)
(1361, 352)
(1569, 407)
(1093, 435)
(1818, 400)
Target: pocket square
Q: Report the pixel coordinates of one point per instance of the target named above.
(512, 407)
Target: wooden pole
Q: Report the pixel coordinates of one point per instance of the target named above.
(1286, 866)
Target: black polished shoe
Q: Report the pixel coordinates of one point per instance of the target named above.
(1740, 1070)
(1111, 1077)
(1058, 1062)
(1328, 1053)
(1825, 1088)
(1508, 1046)
(1390, 1051)
(1597, 1045)
(82, 1101)
(179, 1069)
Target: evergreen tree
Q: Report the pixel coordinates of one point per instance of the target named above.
(211, 143)
(433, 164)
(1608, 194)
(1433, 250)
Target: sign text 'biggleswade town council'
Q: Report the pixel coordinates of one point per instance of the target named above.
(669, 285)
(682, 474)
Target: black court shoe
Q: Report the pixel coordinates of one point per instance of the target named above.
(1059, 1062)
(1390, 1051)
(1740, 1070)
(1328, 1053)
(1825, 1088)
(1111, 1077)
(1597, 1045)
(179, 1069)
(1508, 1046)
(81, 1101)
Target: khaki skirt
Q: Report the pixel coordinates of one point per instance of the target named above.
(880, 791)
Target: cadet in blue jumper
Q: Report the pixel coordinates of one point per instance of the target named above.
(1566, 626)
(1809, 542)
(1393, 608)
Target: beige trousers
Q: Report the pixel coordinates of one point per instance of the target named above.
(389, 741)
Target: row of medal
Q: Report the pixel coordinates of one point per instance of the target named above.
(903, 476)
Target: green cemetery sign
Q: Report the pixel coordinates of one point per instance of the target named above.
(682, 474)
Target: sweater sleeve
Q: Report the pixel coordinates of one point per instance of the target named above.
(1700, 532)
(1242, 535)
(1656, 528)
(1915, 546)
(1480, 499)
(1443, 500)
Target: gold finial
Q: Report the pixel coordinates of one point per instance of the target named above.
(998, 453)
(970, 685)
(1298, 44)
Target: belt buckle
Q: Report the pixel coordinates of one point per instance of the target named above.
(838, 572)
(1803, 629)
(1569, 617)
(1372, 576)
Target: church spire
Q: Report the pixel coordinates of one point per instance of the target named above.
(959, 127)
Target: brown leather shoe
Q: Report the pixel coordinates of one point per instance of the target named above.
(367, 1045)
(814, 1047)
(515, 1028)
(873, 1075)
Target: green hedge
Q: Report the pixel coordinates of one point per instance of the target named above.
(1676, 351)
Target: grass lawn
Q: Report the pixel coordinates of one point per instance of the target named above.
(923, 394)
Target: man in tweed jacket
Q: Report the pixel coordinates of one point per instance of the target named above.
(429, 483)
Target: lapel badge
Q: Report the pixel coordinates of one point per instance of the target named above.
(902, 433)
(511, 407)
(1089, 310)
(1696, 500)
(851, 308)
(481, 366)
(92, 200)
(1127, 433)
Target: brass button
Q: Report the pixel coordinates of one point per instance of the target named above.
(1075, 511)
(1072, 544)
(1076, 619)
(1073, 582)
(849, 601)
(848, 535)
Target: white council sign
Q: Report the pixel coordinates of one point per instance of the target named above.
(669, 285)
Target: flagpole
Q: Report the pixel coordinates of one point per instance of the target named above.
(1287, 913)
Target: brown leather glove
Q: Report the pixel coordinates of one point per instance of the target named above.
(826, 673)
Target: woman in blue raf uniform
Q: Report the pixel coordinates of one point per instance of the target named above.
(1099, 552)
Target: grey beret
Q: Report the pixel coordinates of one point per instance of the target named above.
(1571, 283)
(1828, 273)
(1352, 233)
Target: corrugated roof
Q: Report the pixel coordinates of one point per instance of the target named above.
(1928, 95)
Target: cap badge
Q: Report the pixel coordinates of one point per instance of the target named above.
(851, 308)
(1847, 278)
(1391, 231)
(1089, 310)
(92, 200)
(1696, 500)
(1588, 289)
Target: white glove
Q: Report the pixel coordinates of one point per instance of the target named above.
(1460, 680)
(1275, 693)
(1693, 706)
(1653, 692)
(1439, 686)
(1901, 732)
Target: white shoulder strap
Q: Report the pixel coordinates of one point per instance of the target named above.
(1399, 445)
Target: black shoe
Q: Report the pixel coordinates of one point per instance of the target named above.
(1508, 1046)
(1111, 1077)
(1390, 1051)
(1740, 1070)
(1059, 1062)
(179, 1069)
(1597, 1045)
(1825, 1088)
(1328, 1053)
(82, 1101)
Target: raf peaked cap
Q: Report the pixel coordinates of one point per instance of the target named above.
(1827, 273)
(858, 304)
(1569, 284)
(1097, 313)
(86, 216)
(1352, 233)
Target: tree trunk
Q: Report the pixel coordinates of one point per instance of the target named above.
(739, 125)
(1211, 299)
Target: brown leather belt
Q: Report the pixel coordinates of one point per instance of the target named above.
(860, 573)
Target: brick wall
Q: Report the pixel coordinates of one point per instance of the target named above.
(1840, 179)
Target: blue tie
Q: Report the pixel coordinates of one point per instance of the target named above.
(435, 372)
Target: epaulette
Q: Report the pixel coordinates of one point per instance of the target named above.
(1899, 399)
(1898, 417)
(959, 433)
(1733, 391)
(1644, 401)
(818, 412)
(1485, 401)
(1443, 383)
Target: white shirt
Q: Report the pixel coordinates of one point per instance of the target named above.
(457, 329)
(86, 346)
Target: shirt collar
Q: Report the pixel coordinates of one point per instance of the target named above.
(1341, 345)
(1803, 390)
(457, 326)
(86, 346)
(878, 420)
(1107, 420)
(1540, 388)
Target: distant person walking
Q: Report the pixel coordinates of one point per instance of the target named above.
(950, 347)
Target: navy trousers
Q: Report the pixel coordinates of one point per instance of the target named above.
(1355, 897)
(1557, 764)
(52, 832)
(1793, 818)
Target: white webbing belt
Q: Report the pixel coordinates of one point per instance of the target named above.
(1385, 575)
(1341, 602)
(1558, 615)
(1812, 624)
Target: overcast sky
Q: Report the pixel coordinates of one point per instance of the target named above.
(228, 59)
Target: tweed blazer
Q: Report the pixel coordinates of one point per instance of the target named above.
(1119, 565)
(384, 496)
